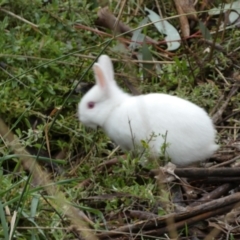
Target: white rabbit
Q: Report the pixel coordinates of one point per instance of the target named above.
(154, 118)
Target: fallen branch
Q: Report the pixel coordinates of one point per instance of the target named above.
(216, 193)
(157, 226)
(108, 20)
(217, 117)
(207, 172)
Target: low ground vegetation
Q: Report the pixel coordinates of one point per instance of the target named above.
(60, 180)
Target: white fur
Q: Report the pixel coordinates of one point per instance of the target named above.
(154, 118)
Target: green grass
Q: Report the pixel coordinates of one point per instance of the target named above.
(41, 62)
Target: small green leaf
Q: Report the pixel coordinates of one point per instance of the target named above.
(205, 32)
(4, 222)
(146, 56)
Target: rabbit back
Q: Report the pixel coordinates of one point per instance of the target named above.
(161, 118)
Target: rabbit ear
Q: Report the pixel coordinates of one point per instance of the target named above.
(100, 76)
(106, 64)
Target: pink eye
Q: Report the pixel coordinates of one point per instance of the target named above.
(91, 105)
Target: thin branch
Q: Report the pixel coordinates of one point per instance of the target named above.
(18, 17)
(38, 58)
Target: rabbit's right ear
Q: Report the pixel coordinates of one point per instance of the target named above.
(107, 67)
(100, 77)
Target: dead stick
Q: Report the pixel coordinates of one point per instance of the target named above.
(207, 172)
(189, 221)
(216, 206)
(218, 192)
(108, 20)
(221, 180)
(218, 115)
(226, 162)
(158, 230)
(211, 172)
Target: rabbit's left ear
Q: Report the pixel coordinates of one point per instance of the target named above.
(106, 64)
(100, 77)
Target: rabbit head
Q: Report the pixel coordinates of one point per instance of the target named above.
(97, 104)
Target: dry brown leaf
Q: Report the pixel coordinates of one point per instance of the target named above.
(166, 173)
(107, 20)
(186, 10)
(232, 216)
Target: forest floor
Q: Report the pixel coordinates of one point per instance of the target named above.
(61, 180)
